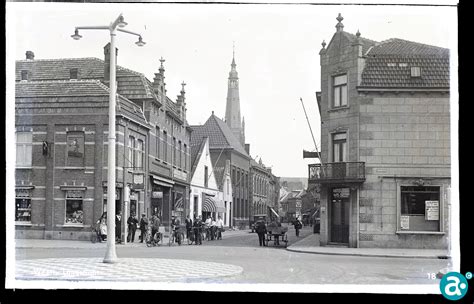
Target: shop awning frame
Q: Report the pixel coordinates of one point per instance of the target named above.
(210, 204)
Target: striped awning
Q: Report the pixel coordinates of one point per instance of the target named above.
(210, 204)
(179, 204)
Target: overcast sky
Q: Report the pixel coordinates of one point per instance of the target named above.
(276, 52)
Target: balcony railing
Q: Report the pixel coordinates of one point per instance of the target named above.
(346, 172)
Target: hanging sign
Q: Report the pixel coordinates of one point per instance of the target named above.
(138, 181)
(432, 210)
(404, 222)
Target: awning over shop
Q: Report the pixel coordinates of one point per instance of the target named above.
(210, 204)
(179, 204)
(274, 212)
(160, 181)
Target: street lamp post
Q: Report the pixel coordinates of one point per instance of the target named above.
(117, 25)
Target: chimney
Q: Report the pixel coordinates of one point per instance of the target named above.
(247, 148)
(107, 61)
(30, 55)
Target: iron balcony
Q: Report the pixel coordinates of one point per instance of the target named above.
(341, 172)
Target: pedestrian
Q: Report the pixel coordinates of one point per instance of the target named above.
(155, 225)
(213, 229)
(298, 225)
(132, 227)
(220, 227)
(189, 226)
(118, 227)
(197, 226)
(143, 227)
(261, 230)
(102, 227)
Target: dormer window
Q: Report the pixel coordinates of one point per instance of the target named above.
(415, 72)
(24, 75)
(73, 74)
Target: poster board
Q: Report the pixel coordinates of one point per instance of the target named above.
(432, 210)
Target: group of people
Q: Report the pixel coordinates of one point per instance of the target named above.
(212, 228)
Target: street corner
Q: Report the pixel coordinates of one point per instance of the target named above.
(125, 270)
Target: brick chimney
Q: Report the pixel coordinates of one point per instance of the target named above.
(30, 55)
(107, 61)
(247, 148)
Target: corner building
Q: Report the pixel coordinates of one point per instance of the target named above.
(385, 143)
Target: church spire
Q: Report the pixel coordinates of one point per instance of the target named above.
(232, 112)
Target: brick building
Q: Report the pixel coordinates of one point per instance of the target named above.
(61, 108)
(385, 143)
(262, 189)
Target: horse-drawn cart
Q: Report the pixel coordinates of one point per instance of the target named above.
(277, 235)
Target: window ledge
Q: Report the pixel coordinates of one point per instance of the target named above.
(72, 225)
(23, 224)
(24, 167)
(74, 168)
(339, 109)
(420, 232)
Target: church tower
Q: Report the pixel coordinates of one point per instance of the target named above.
(232, 111)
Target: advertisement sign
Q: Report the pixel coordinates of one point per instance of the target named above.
(432, 210)
(404, 222)
(138, 181)
(157, 194)
(340, 193)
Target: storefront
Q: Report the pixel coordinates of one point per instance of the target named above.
(212, 206)
(118, 197)
(160, 197)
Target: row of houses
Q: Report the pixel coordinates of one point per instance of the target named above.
(164, 166)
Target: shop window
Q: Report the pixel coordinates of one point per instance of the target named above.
(340, 91)
(75, 149)
(24, 145)
(420, 208)
(74, 205)
(22, 205)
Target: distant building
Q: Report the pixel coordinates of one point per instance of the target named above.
(228, 154)
(385, 143)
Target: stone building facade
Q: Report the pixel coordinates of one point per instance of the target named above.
(385, 143)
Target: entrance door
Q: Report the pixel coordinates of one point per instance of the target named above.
(340, 215)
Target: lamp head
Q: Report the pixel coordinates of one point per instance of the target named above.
(76, 35)
(121, 22)
(140, 42)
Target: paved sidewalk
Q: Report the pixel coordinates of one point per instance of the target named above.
(125, 270)
(310, 244)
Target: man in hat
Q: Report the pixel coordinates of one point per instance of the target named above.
(143, 227)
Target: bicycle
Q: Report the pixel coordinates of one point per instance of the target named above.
(153, 241)
(192, 238)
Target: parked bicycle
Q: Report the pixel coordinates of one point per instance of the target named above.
(153, 240)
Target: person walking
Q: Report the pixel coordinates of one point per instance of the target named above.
(132, 222)
(220, 227)
(155, 225)
(197, 226)
(189, 226)
(102, 227)
(143, 227)
(298, 225)
(118, 227)
(261, 229)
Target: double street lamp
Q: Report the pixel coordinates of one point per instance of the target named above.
(117, 25)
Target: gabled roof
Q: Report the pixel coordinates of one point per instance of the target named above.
(220, 136)
(196, 152)
(69, 90)
(131, 84)
(388, 65)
